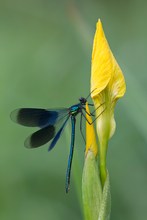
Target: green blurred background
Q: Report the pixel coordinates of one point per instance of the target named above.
(45, 56)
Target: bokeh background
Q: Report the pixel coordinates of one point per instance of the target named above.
(45, 56)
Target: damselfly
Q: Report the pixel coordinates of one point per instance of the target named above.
(51, 123)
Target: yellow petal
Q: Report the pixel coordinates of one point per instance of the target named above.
(117, 84)
(90, 134)
(101, 66)
(105, 72)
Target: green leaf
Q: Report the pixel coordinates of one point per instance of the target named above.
(105, 207)
(97, 202)
(91, 187)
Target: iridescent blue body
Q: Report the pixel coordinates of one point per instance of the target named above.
(51, 124)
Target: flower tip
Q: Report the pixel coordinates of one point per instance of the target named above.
(99, 23)
(99, 28)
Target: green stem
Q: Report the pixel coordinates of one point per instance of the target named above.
(103, 153)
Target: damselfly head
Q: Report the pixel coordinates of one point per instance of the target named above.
(83, 101)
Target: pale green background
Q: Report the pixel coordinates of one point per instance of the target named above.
(45, 56)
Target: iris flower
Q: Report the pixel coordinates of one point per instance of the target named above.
(107, 86)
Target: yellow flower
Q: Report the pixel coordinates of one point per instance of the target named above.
(107, 86)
